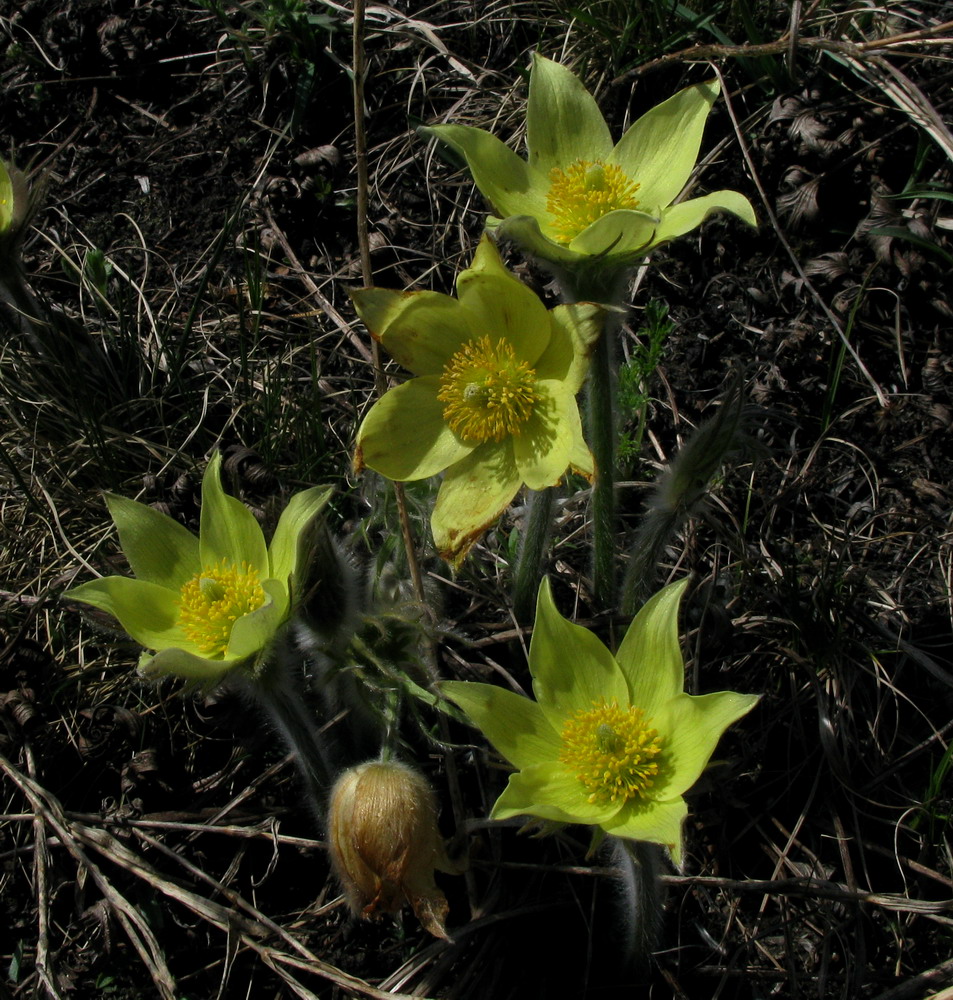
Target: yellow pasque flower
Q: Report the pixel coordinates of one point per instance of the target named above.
(494, 400)
(611, 741)
(578, 197)
(210, 604)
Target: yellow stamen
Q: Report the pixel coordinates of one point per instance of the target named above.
(487, 393)
(611, 750)
(214, 599)
(585, 191)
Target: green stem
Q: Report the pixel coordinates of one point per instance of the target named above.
(529, 566)
(640, 864)
(608, 287)
(602, 422)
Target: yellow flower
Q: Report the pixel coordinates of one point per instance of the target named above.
(579, 198)
(611, 741)
(15, 203)
(494, 400)
(205, 605)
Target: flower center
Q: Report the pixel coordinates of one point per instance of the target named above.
(213, 600)
(487, 393)
(611, 751)
(584, 192)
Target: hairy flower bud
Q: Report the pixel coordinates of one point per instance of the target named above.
(385, 845)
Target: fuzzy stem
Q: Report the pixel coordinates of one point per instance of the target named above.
(529, 566)
(640, 902)
(278, 692)
(608, 287)
(679, 492)
(602, 422)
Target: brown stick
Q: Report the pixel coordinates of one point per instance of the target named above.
(367, 272)
(705, 53)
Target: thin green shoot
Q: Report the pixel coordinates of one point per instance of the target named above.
(285, 26)
(839, 352)
(934, 795)
(635, 377)
(902, 233)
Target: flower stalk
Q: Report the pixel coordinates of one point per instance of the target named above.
(277, 690)
(680, 491)
(607, 286)
(602, 422)
(537, 530)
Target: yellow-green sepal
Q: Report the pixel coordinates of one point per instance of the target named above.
(506, 180)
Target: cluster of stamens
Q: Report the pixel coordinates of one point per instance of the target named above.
(611, 750)
(213, 600)
(584, 192)
(488, 394)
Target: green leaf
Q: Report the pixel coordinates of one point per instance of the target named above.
(474, 492)
(543, 446)
(575, 329)
(902, 233)
(501, 308)
(252, 632)
(909, 194)
(581, 459)
(650, 656)
(148, 612)
(688, 215)
(550, 791)
(655, 822)
(524, 230)
(182, 663)
(405, 436)
(420, 330)
(302, 509)
(693, 729)
(563, 121)
(6, 199)
(159, 549)
(623, 231)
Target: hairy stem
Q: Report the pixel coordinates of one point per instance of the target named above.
(602, 423)
(640, 900)
(278, 691)
(529, 565)
(608, 287)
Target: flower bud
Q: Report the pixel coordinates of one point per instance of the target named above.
(384, 842)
